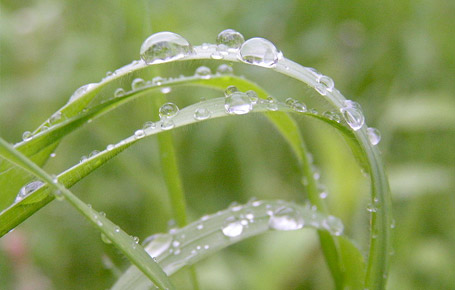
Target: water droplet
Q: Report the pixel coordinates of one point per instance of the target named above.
(325, 84)
(216, 55)
(117, 229)
(253, 96)
(256, 203)
(232, 227)
(105, 239)
(230, 38)
(333, 225)
(238, 103)
(224, 69)
(139, 134)
(120, 92)
(200, 226)
(203, 72)
(166, 90)
(27, 135)
(374, 136)
(393, 224)
(177, 251)
(55, 117)
(371, 208)
(286, 219)
(299, 106)
(334, 116)
(81, 91)
(93, 153)
(27, 189)
(83, 158)
(271, 104)
(168, 110)
(157, 81)
(236, 208)
(201, 114)
(167, 124)
(352, 113)
(175, 244)
(53, 155)
(230, 90)
(260, 51)
(58, 195)
(110, 147)
(136, 240)
(149, 125)
(164, 46)
(137, 84)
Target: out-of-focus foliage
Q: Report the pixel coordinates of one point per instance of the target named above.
(394, 57)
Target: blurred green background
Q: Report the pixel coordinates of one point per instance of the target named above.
(396, 58)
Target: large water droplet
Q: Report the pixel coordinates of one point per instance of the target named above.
(55, 117)
(164, 46)
(27, 189)
(230, 38)
(168, 110)
(238, 103)
(203, 72)
(333, 225)
(260, 51)
(80, 91)
(374, 136)
(232, 227)
(286, 219)
(352, 113)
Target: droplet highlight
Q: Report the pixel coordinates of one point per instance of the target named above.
(164, 46)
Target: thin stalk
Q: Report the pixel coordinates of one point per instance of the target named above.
(171, 173)
(135, 252)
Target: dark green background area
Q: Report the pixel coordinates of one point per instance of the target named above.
(396, 58)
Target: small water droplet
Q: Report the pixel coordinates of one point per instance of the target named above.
(232, 227)
(224, 69)
(175, 244)
(55, 117)
(230, 38)
(253, 96)
(230, 90)
(260, 51)
(167, 124)
(117, 229)
(333, 225)
(200, 226)
(371, 208)
(157, 81)
(52, 155)
(93, 153)
(58, 195)
(203, 72)
(149, 125)
(27, 189)
(168, 110)
(81, 91)
(325, 84)
(83, 158)
(393, 224)
(120, 92)
(216, 55)
(105, 239)
(138, 134)
(334, 116)
(201, 114)
(27, 135)
(374, 136)
(166, 90)
(286, 219)
(271, 104)
(137, 84)
(299, 106)
(177, 251)
(164, 46)
(136, 240)
(238, 103)
(110, 147)
(352, 113)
